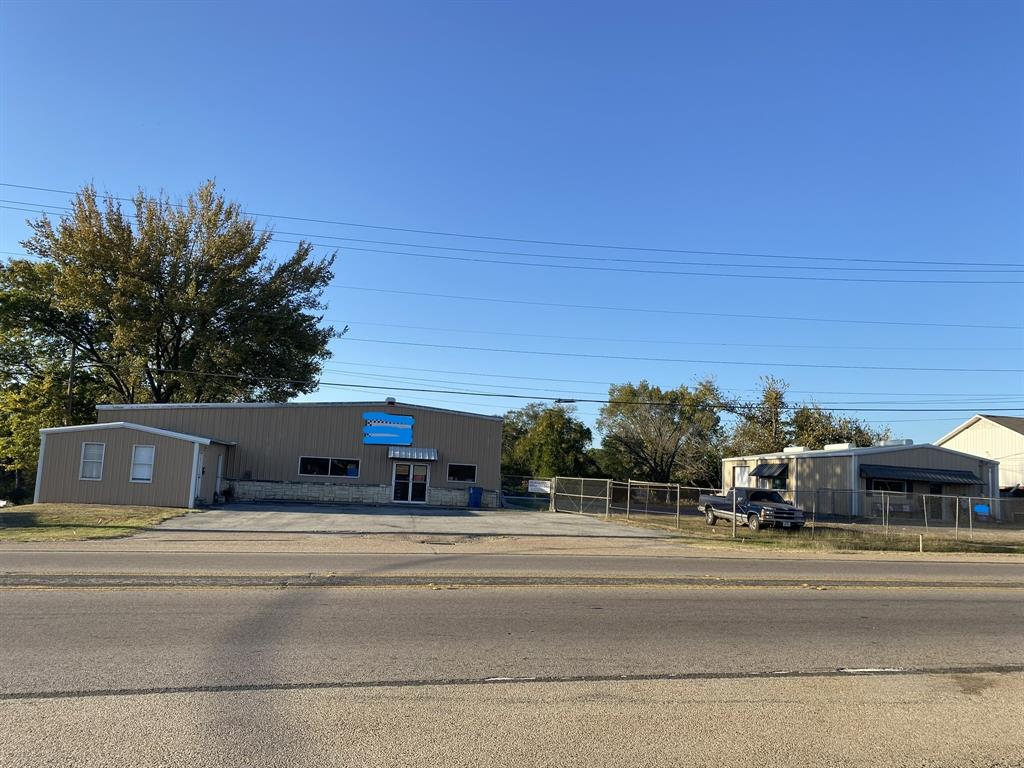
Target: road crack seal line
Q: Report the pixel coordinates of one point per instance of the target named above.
(151, 581)
(458, 682)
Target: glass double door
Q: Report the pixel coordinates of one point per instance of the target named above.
(411, 480)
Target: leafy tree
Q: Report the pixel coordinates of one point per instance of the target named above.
(663, 435)
(814, 427)
(543, 441)
(518, 423)
(762, 427)
(769, 425)
(176, 303)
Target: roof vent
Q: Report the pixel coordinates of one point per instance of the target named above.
(794, 449)
(390, 400)
(839, 446)
(893, 443)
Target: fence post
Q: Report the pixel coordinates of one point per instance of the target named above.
(607, 499)
(647, 502)
(552, 492)
(924, 501)
(581, 495)
(734, 512)
(970, 515)
(956, 528)
(677, 506)
(629, 495)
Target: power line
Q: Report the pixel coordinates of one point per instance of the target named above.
(673, 272)
(311, 237)
(679, 342)
(649, 310)
(637, 358)
(930, 269)
(558, 243)
(730, 389)
(1006, 403)
(505, 395)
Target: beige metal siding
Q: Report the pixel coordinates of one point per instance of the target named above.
(931, 457)
(729, 464)
(989, 440)
(270, 439)
(823, 484)
(172, 469)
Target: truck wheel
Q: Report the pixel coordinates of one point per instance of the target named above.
(754, 523)
(709, 516)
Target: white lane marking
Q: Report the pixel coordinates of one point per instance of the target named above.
(869, 670)
(506, 679)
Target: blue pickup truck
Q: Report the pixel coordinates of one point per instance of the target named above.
(755, 507)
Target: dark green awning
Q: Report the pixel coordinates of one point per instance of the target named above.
(951, 476)
(770, 470)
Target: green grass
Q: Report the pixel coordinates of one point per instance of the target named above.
(822, 537)
(69, 522)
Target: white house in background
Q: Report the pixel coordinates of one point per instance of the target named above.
(1000, 438)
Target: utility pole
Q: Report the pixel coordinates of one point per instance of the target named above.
(71, 389)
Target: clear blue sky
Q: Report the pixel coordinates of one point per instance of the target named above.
(888, 131)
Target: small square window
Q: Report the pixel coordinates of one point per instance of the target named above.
(462, 473)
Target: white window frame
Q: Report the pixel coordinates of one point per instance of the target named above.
(329, 459)
(448, 475)
(131, 467)
(102, 459)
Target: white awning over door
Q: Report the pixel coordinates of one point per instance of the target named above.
(412, 454)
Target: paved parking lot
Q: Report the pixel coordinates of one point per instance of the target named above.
(358, 519)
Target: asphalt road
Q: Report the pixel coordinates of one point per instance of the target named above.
(86, 558)
(391, 676)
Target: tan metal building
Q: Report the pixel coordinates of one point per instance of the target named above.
(123, 463)
(1000, 438)
(377, 453)
(847, 481)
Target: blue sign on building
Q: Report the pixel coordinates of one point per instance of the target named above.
(387, 429)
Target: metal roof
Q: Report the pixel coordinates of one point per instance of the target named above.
(139, 428)
(311, 404)
(887, 472)
(1013, 423)
(415, 454)
(770, 470)
(760, 457)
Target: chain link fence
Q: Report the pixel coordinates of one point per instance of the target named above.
(827, 512)
(632, 500)
(525, 492)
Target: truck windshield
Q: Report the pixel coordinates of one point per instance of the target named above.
(767, 496)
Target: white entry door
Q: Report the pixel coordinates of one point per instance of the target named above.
(410, 482)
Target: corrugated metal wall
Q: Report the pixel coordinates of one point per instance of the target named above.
(272, 438)
(172, 469)
(993, 441)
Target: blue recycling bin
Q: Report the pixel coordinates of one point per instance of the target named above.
(476, 497)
